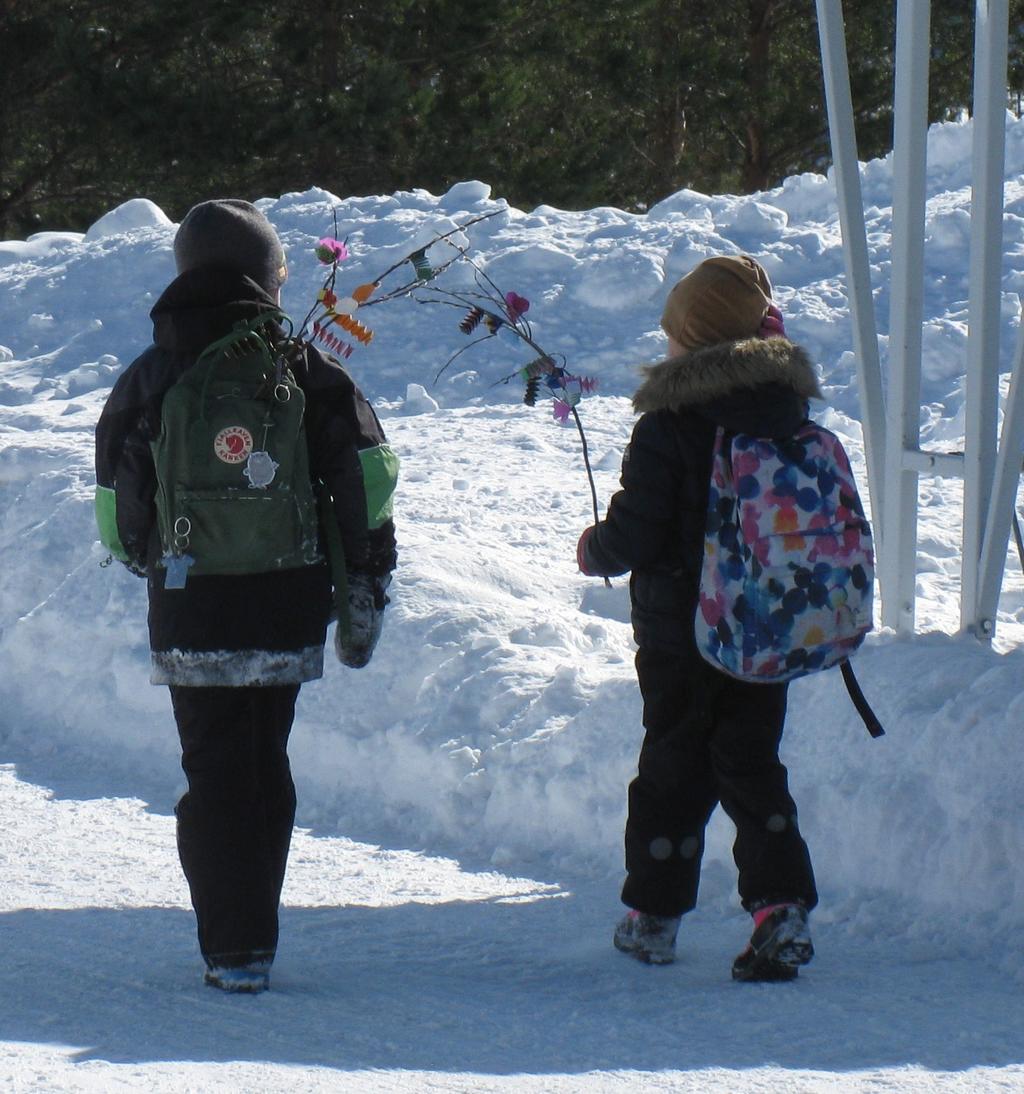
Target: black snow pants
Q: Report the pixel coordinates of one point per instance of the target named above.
(235, 820)
(709, 740)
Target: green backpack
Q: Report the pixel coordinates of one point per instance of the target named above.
(233, 489)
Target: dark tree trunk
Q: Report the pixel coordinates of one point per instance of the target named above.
(756, 77)
(669, 115)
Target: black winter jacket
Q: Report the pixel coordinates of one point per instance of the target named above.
(261, 629)
(655, 523)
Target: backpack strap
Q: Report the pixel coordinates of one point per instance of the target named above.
(868, 716)
(336, 558)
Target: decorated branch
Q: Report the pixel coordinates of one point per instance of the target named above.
(332, 320)
(485, 311)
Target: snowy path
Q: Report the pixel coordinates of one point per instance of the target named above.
(403, 972)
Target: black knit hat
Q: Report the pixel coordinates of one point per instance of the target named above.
(231, 234)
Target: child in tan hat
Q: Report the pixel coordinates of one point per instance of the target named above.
(710, 739)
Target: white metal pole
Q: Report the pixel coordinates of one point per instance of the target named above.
(899, 553)
(842, 135)
(1003, 497)
(984, 300)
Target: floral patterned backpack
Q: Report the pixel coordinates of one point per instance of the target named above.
(788, 572)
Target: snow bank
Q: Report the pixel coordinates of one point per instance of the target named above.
(500, 717)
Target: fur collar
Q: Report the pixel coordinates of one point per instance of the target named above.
(713, 371)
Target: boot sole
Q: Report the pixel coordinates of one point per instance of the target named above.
(236, 987)
(764, 971)
(799, 951)
(779, 958)
(639, 953)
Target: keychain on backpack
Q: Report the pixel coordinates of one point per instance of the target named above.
(178, 562)
(260, 469)
(177, 567)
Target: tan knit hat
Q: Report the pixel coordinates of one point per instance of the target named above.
(723, 299)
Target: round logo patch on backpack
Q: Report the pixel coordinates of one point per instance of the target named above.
(233, 444)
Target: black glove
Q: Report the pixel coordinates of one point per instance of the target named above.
(367, 597)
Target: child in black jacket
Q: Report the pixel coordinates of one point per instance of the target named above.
(235, 648)
(709, 739)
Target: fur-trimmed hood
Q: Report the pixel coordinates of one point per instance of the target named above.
(714, 373)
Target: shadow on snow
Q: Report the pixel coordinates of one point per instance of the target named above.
(530, 986)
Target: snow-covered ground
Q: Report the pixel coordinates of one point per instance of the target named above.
(454, 881)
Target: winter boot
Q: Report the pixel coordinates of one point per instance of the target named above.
(781, 942)
(249, 979)
(648, 938)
